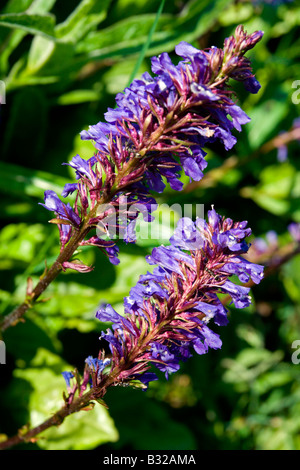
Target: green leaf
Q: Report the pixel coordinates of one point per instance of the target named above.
(47, 61)
(34, 24)
(84, 18)
(78, 96)
(270, 380)
(29, 6)
(40, 51)
(19, 242)
(128, 36)
(24, 339)
(274, 191)
(265, 119)
(291, 278)
(38, 7)
(249, 365)
(80, 431)
(15, 6)
(24, 182)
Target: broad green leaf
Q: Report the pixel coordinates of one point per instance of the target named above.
(265, 118)
(15, 6)
(78, 96)
(12, 41)
(24, 182)
(122, 38)
(84, 18)
(40, 51)
(48, 62)
(30, 6)
(81, 431)
(147, 43)
(129, 35)
(272, 379)
(275, 189)
(34, 24)
(19, 242)
(38, 7)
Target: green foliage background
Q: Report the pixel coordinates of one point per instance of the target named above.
(62, 64)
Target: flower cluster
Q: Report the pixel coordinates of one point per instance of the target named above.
(167, 312)
(177, 112)
(159, 128)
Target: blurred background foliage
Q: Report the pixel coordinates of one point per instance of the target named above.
(62, 64)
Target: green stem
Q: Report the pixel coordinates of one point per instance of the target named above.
(57, 418)
(45, 280)
(54, 420)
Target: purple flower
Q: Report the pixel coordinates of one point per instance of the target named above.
(186, 236)
(163, 359)
(294, 229)
(69, 188)
(252, 85)
(68, 376)
(191, 91)
(82, 167)
(64, 211)
(282, 153)
(157, 131)
(167, 312)
(244, 270)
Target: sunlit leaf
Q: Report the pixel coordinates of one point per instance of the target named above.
(34, 24)
(81, 431)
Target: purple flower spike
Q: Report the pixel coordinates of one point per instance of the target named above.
(156, 133)
(166, 314)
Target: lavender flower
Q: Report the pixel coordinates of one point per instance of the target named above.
(159, 128)
(294, 230)
(63, 211)
(167, 312)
